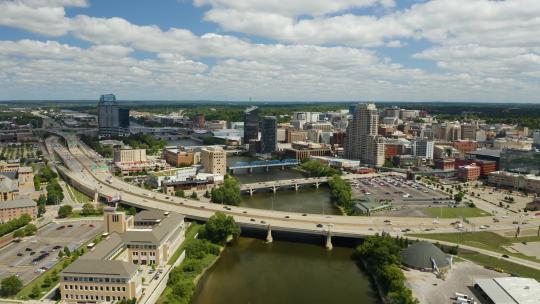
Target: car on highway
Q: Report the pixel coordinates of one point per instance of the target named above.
(20, 254)
(286, 216)
(319, 225)
(253, 220)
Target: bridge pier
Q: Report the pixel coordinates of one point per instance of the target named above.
(274, 189)
(317, 185)
(251, 191)
(296, 187)
(96, 197)
(282, 167)
(269, 238)
(329, 241)
(267, 168)
(250, 170)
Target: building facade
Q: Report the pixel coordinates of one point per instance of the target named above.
(269, 134)
(127, 156)
(251, 124)
(13, 209)
(423, 147)
(112, 121)
(362, 141)
(179, 157)
(214, 160)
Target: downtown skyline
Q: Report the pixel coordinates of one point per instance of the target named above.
(229, 50)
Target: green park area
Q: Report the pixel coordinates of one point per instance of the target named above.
(449, 212)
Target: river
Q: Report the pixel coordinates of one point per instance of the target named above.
(306, 200)
(252, 271)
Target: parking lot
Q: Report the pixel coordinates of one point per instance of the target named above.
(407, 196)
(31, 256)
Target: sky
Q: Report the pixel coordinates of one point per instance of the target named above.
(270, 50)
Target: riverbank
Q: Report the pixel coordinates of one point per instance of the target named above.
(185, 277)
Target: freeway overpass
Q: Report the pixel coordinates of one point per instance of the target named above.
(78, 160)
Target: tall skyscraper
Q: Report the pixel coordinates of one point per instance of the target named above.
(251, 124)
(112, 120)
(361, 140)
(268, 136)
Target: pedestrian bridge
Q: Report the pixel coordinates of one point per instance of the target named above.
(267, 164)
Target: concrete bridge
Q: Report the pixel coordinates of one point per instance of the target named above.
(266, 164)
(274, 186)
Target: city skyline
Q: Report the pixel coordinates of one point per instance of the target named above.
(348, 50)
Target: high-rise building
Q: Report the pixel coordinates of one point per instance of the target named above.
(362, 141)
(214, 160)
(198, 121)
(423, 147)
(112, 120)
(268, 134)
(536, 139)
(251, 124)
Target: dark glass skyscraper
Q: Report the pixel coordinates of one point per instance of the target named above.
(112, 120)
(251, 124)
(269, 133)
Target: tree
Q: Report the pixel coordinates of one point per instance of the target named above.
(19, 233)
(36, 292)
(30, 229)
(10, 286)
(219, 227)
(60, 254)
(228, 193)
(88, 209)
(315, 168)
(341, 192)
(37, 183)
(46, 282)
(65, 211)
(55, 194)
(179, 193)
(207, 194)
(194, 195)
(131, 210)
(67, 252)
(458, 197)
(41, 210)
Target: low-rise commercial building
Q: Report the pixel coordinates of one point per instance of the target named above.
(179, 157)
(530, 183)
(110, 271)
(469, 173)
(12, 209)
(508, 290)
(445, 164)
(303, 150)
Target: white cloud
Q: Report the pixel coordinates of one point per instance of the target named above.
(483, 49)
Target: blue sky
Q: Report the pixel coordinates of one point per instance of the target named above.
(325, 50)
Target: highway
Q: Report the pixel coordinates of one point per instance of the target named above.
(79, 161)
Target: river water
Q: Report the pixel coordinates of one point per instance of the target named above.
(282, 272)
(306, 200)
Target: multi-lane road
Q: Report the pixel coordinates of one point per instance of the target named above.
(80, 163)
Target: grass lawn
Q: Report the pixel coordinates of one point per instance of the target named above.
(449, 212)
(77, 195)
(501, 263)
(482, 239)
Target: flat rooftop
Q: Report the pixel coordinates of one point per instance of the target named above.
(511, 290)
